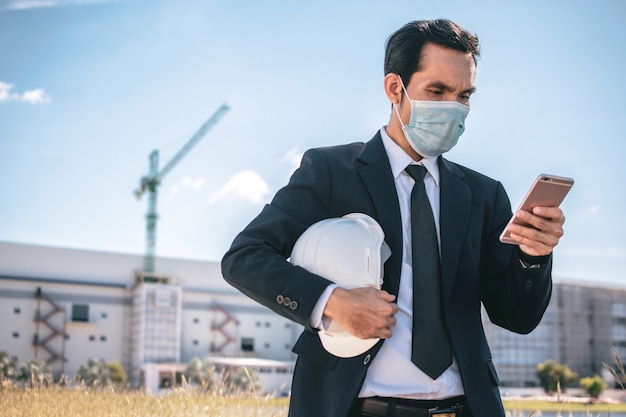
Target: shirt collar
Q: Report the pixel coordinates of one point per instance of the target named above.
(399, 160)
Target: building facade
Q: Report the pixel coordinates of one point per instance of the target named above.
(66, 306)
(581, 327)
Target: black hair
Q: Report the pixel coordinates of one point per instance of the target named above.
(403, 48)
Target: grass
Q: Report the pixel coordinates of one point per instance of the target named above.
(56, 401)
(515, 407)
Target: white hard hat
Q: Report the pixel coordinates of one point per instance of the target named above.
(350, 251)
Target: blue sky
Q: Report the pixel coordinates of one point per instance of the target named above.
(89, 88)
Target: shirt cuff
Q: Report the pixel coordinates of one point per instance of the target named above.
(318, 311)
(532, 262)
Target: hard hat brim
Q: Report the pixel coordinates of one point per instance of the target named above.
(345, 345)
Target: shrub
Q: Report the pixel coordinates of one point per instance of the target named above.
(239, 380)
(554, 376)
(99, 373)
(118, 374)
(593, 385)
(35, 373)
(7, 367)
(200, 373)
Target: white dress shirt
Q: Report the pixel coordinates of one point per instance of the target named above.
(391, 373)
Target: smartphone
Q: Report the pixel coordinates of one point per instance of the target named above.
(547, 191)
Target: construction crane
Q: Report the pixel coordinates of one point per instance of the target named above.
(151, 182)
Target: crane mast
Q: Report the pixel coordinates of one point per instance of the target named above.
(152, 181)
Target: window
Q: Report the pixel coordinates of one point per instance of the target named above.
(104, 315)
(195, 343)
(16, 335)
(196, 320)
(92, 338)
(103, 338)
(17, 310)
(247, 344)
(80, 313)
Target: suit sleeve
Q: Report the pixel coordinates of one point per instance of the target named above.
(256, 262)
(514, 297)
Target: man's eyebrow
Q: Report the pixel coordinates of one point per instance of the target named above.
(446, 87)
(469, 91)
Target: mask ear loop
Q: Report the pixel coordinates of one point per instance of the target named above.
(395, 106)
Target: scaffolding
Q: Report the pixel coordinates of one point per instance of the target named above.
(224, 332)
(50, 331)
(156, 322)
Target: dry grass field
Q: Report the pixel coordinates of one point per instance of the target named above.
(55, 401)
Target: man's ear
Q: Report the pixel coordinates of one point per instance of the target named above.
(393, 88)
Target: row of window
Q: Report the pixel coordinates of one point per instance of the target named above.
(247, 344)
(92, 338)
(80, 314)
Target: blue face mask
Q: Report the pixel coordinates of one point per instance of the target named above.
(435, 126)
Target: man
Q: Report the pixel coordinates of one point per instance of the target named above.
(429, 78)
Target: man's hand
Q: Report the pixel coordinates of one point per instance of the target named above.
(547, 229)
(364, 312)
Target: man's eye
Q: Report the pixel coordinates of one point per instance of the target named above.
(436, 92)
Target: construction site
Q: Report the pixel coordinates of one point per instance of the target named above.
(153, 315)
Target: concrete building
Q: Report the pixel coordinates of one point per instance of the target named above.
(66, 306)
(582, 324)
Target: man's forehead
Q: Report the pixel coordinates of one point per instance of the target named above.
(434, 53)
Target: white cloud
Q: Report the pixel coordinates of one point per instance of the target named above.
(293, 157)
(189, 183)
(4, 91)
(38, 4)
(37, 96)
(245, 185)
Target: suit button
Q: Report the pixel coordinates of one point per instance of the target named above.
(280, 299)
(367, 359)
(293, 305)
(528, 285)
(287, 301)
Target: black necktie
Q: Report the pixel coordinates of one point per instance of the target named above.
(431, 350)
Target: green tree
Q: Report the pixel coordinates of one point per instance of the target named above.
(7, 367)
(200, 373)
(554, 376)
(118, 373)
(593, 385)
(35, 373)
(99, 373)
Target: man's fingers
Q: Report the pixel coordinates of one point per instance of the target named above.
(544, 232)
(364, 312)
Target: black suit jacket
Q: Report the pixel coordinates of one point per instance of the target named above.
(476, 268)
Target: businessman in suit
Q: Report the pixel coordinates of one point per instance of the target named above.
(429, 78)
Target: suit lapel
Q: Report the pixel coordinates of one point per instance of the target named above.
(454, 214)
(378, 180)
(453, 217)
